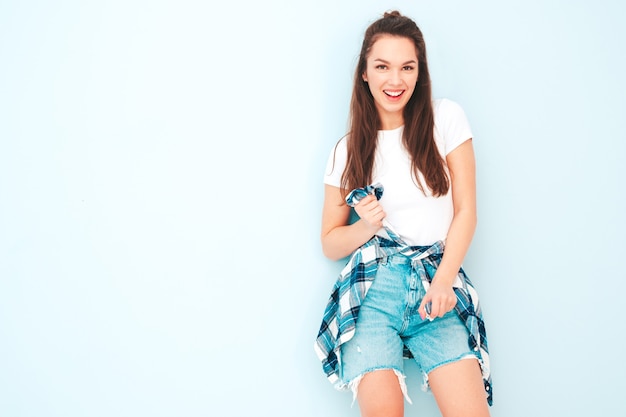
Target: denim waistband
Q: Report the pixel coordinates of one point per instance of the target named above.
(399, 258)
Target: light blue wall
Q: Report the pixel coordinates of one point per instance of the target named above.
(160, 197)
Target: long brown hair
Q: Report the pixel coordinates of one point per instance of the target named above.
(418, 135)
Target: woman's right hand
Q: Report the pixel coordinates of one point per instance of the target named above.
(339, 237)
(371, 212)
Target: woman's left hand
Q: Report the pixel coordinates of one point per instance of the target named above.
(441, 298)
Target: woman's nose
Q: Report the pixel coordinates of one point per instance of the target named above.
(395, 78)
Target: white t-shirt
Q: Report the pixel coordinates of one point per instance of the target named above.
(419, 219)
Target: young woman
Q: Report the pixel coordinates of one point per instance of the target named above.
(406, 167)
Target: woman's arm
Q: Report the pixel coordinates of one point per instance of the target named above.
(340, 239)
(461, 164)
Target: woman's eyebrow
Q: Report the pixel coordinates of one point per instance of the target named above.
(412, 61)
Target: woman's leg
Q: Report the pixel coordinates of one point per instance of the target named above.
(380, 395)
(371, 362)
(459, 390)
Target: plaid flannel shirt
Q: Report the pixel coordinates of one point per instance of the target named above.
(350, 289)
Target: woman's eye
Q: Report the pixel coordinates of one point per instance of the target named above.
(408, 68)
(381, 67)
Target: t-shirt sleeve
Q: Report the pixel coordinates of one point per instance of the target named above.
(451, 124)
(336, 164)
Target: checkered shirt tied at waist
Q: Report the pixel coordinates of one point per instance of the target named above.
(350, 289)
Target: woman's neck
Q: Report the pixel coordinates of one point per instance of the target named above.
(391, 121)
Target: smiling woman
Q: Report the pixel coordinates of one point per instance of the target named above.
(407, 169)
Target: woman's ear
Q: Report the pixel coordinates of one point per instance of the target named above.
(364, 76)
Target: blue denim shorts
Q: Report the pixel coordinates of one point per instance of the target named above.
(388, 320)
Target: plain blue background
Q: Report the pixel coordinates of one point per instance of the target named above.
(161, 186)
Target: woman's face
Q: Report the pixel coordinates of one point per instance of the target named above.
(391, 74)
